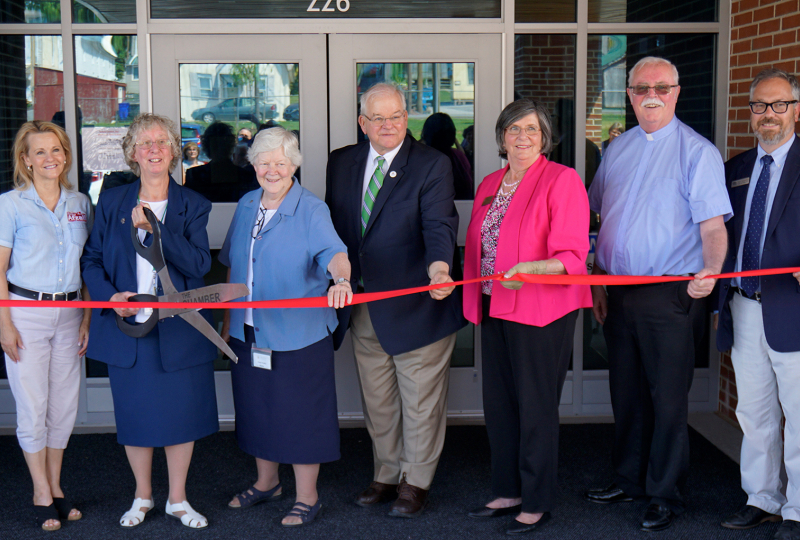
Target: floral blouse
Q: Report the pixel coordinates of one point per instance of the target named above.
(490, 231)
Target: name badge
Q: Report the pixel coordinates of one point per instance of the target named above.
(740, 182)
(261, 358)
(487, 200)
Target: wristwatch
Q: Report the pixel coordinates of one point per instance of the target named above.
(342, 280)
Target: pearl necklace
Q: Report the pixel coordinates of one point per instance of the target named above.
(510, 188)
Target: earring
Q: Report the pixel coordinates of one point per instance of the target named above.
(30, 168)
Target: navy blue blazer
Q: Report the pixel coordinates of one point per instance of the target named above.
(414, 223)
(109, 266)
(780, 295)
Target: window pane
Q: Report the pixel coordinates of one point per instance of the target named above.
(544, 70)
(536, 11)
(440, 99)
(30, 11)
(104, 11)
(608, 11)
(608, 110)
(107, 70)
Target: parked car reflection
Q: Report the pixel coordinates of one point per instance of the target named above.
(226, 110)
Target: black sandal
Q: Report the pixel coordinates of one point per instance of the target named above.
(44, 514)
(64, 507)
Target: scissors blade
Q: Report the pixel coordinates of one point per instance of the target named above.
(166, 282)
(202, 326)
(221, 292)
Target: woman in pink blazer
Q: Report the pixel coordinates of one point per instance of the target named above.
(530, 217)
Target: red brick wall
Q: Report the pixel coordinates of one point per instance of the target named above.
(764, 33)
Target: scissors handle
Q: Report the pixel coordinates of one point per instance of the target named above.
(153, 253)
(139, 330)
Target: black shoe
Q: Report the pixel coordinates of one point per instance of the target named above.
(657, 517)
(517, 527)
(748, 517)
(611, 494)
(788, 530)
(486, 512)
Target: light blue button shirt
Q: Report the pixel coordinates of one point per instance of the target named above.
(652, 191)
(45, 246)
(775, 172)
(290, 259)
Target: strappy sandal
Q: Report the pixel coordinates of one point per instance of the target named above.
(64, 508)
(45, 514)
(253, 496)
(305, 512)
(134, 517)
(190, 519)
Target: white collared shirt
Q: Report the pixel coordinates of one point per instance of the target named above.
(372, 164)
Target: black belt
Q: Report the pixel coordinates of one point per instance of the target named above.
(755, 296)
(35, 295)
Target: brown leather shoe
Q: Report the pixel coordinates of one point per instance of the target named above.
(376, 493)
(410, 502)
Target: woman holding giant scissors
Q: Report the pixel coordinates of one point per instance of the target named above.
(162, 383)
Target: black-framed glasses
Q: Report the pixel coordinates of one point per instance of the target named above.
(779, 107)
(262, 213)
(643, 89)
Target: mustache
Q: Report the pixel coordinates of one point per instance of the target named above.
(768, 120)
(652, 101)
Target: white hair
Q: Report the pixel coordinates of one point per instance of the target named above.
(381, 89)
(652, 61)
(273, 138)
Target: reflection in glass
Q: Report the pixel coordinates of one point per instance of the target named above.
(609, 11)
(30, 11)
(107, 79)
(104, 11)
(31, 88)
(535, 11)
(222, 108)
(610, 57)
(440, 98)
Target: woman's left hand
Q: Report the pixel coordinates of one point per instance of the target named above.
(533, 267)
(139, 219)
(83, 336)
(340, 295)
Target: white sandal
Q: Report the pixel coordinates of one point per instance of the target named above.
(134, 517)
(190, 519)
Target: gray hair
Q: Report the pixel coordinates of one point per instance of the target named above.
(381, 89)
(520, 109)
(652, 61)
(772, 73)
(142, 123)
(273, 138)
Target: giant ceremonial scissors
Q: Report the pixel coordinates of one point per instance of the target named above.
(222, 292)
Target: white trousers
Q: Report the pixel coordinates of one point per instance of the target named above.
(766, 381)
(46, 380)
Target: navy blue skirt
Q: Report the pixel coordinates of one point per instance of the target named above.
(155, 408)
(286, 414)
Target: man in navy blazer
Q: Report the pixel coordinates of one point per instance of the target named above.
(760, 317)
(391, 201)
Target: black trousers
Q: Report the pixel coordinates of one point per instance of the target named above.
(524, 368)
(650, 331)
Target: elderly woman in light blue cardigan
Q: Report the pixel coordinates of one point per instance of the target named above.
(282, 244)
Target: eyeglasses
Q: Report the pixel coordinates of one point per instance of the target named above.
(516, 130)
(262, 213)
(779, 107)
(147, 145)
(380, 120)
(643, 89)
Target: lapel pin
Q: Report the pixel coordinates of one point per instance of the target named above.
(122, 221)
(393, 174)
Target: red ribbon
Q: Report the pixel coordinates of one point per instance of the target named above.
(322, 301)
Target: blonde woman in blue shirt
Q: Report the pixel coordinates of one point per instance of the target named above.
(282, 243)
(43, 226)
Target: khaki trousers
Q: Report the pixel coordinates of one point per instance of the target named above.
(405, 403)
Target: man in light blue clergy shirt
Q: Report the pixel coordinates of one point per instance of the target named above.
(660, 193)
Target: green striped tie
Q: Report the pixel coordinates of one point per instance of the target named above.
(371, 194)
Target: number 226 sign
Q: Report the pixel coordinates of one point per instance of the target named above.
(341, 5)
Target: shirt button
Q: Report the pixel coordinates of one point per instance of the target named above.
(60, 243)
(60, 261)
(254, 260)
(257, 330)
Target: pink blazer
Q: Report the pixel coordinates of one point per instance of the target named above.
(547, 218)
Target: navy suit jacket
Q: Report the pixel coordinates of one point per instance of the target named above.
(413, 223)
(780, 295)
(109, 266)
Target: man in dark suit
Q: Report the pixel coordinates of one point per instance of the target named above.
(759, 316)
(391, 200)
